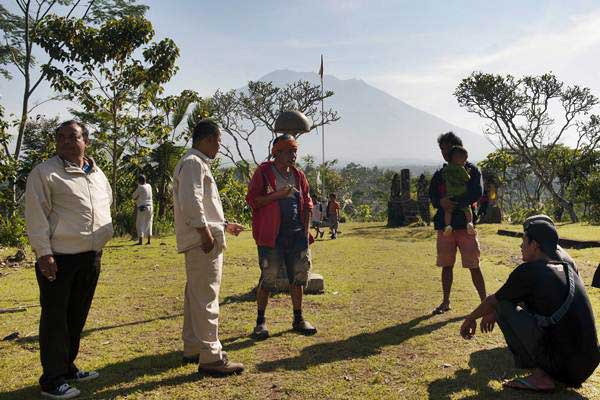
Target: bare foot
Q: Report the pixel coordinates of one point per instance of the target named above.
(538, 381)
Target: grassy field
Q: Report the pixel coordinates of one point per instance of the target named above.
(376, 340)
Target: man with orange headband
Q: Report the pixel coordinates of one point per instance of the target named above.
(281, 208)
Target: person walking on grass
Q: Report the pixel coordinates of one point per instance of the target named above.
(144, 211)
(333, 215)
(67, 213)
(200, 232)
(544, 314)
(459, 238)
(317, 218)
(281, 211)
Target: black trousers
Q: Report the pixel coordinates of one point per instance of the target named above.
(65, 305)
(523, 336)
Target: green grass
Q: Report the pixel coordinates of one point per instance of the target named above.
(376, 337)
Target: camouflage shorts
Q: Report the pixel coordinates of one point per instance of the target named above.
(274, 261)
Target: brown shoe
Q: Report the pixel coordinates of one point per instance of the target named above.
(223, 367)
(304, 327)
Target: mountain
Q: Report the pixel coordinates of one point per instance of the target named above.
(377, 128)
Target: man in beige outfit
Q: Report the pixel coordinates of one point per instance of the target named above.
(200, 226)
(67, 210)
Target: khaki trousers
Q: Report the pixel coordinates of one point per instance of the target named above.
(201, 305)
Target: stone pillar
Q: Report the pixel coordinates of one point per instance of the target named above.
(423, 199)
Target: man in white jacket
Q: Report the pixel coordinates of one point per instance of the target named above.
(199, 226)
(67, 210)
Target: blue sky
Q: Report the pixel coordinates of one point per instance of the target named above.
(417, 51)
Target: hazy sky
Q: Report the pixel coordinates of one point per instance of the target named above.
(417, 51)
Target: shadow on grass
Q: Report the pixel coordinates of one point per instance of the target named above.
(235, 343)
(32, 339)
(108, 385)
(383, 232)
(486, 366)
(240, 298)
(359, 346)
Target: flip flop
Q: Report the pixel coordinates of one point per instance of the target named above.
(525, 385)
(440, 310)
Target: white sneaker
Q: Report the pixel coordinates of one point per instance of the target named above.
(64, 391)
(471, 229)
(448, 230)
(81, 376)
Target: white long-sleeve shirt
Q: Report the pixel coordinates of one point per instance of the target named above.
(67, 211)
(196, 201)
(143, 195)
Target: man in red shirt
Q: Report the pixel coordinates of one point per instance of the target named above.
(281, 210)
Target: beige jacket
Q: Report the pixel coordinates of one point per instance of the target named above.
(196, 201)
(66, 210)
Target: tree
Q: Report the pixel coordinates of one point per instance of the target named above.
(520, 116)
(8, 169)
(17, 49)
(243, 114)
(116, 89)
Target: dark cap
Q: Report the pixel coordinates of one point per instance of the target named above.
(545, 234)
(539, 217)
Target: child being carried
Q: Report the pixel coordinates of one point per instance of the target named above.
(456, 178)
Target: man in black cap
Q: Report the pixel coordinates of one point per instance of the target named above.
(544, 314)
(562, 253)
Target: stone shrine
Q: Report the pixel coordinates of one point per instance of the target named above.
(402, 209)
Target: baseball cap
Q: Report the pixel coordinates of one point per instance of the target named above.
(545, 234)
(539, 217)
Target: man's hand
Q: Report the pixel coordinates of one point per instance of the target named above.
(447, 204)
(487, 322)
(234, 228)
(283, 193)
(48, 267)
(208, 242)
(468, 328)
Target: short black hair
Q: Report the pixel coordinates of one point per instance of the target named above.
(285, 136)
(141, 178)
(457, 150)
(333, 195)
(449, 138)
(84, 130)
(203, 129)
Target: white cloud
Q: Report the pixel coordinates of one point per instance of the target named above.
(572, 53)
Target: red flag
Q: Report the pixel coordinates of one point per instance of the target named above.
(321, 69)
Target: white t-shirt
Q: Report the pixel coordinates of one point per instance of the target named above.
(317, 214)
(143, 195)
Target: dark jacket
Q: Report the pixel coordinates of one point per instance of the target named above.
(437, 190)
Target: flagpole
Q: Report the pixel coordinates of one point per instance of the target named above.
(322, 133)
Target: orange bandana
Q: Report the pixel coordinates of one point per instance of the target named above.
(283, 144)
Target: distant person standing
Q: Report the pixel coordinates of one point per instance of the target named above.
(458, 238)
(317, 219)
(144, 211)
(333, 215)
(67, 210)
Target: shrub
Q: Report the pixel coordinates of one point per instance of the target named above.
(12, 231)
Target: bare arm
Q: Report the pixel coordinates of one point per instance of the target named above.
(485, 310)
